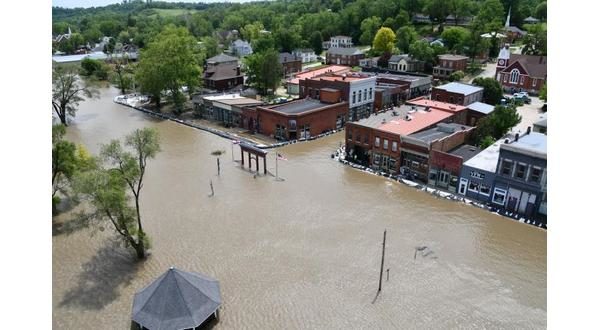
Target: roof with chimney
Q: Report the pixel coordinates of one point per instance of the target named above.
(535, 65)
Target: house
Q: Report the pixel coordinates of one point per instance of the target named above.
(421, 19)
(477, 111)
(449, 63)
(404, 63)
(290, 64)
(222, 76)
(370, 62)
(513, 33)
(293, 85)
(344, 56)
(300, 119)
(357, 89)
(241, 48)
(531, 20)
(338, 42)
(225, 109)
(418, 84)
(457, 93)
(307, 55)
(478, 174)
(541, 125)
(517, 72)
(461, 21)
(403, 138)
(222, 59)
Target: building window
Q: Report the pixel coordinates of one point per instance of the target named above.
(535, 175)
(357, 137)
(385, 144)
(521, 169)
(349, 134)
(462, 188)
(514, 76)
(534, 82)
(371, 93)
(451, 99)
(507, 167)
(522, 80)
(485, 189)
(505, 77)
(377, 141)
(359, 96)
(474, 186)
(394, 146)
(366, 139)
(499, 196)
(365, 94)
(353, 97)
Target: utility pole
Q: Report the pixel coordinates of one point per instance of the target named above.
(382, 260)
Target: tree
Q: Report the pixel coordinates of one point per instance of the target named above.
(497, 124)
(96, 68)
(406, 35)
(286, 39)
(316, 42)
(218, 153)
(491, 15)
(384, 41)
(384, 60)
(437, 10)
(486, 142)
(67, 92)
(455, 37)
(170, 61)
(544, 93)
(422, 51)
(263, 43)
(123, 74)
(210, 47)
(492, 90)
(456, 75)
(251, 31)
(369, 27)
(535, 42)
(264, 70)
(541, 11)
(108, 188)
(459, 9)
(63, 159)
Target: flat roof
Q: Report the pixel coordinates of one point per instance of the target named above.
(533, 142)
(543, 120)
(442, 130)
(452, 57)
(319, 72)
(341, 78)
(239, 101)
(486, 160)
(460, 88)
(481, 107)
(447, 107)
(299, 106)
(397, 123)
(466, 151)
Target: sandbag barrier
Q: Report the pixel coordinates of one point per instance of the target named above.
(340, 155)
(221, 133)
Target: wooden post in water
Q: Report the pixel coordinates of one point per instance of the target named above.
(382, 259)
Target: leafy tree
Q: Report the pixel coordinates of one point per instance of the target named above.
(456, 75)
(287, 39)
(108, 188)
(412, 6)
(406, 36)
(459, 9)
(544, 93)
(210, 46)
(264, 70)
(73, 43)
(369, 27)
(96, 68)
(123, 74)
(170, 61)
(251, 31)
(67, 92)
(63, 159)
(422, 51)
(92, 35)
(497, 124)
(491, 15)
(541, 11)
(437, 10)
(455, 37)
(384, 60)
(486, 142)
(492, 90)
(535, 42)
(263, 43)
(316, 42)
(384, 41)
(402, 19)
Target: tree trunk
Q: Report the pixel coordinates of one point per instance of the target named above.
(140, 250)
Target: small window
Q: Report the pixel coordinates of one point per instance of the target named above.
(474, 186)
(354, 97)
(534, 82)
(507, 167)
(349, 134)
(499, 196)
(366, 139)
(535, 175)
(520, 173)
(394, 146)
(377, 141)
(484, 189)
(505, 77)
(522, 80)
(359, 96)
(358, 137)
(371, 93)
(385, 144)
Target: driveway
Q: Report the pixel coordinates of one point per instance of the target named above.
(530, 113)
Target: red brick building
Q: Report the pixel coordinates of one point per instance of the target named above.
(459, 112)
(290, 64)
(445, 166)
(223, 76)
(449, 63)
(344, 56)
(517, 72)
(300, 118)
(457, 93)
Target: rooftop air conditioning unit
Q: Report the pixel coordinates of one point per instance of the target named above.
(408, 118)
(427, 109)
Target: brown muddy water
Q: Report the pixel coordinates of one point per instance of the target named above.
(303, 253)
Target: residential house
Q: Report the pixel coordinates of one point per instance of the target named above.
(449, 63)
(344, 56)
(290, 64)
(241, 48)
(461, 21)
(338, 42)
(457, 93)
(222, 76)
(370, 62)
(513, 33)
(222, 59)
(531, 20)
(421, 19)
(404, 63)
(307, 55)
(517, 72)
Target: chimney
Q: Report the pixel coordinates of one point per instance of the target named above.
(506, 141)
(516, 137)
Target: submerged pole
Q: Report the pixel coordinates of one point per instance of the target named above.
(382, 260)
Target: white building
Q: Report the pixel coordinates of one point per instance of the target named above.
(241, 48)
(361, 97)
(306, 54)
(338, 41)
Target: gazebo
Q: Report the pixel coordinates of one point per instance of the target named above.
(176, 300)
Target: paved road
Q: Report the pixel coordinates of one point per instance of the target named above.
(530, 113)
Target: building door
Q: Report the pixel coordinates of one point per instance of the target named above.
(523, 202)
(462, 188)
(514, 196)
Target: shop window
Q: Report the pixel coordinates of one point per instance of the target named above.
(499, 196)
(385, 144)
(474, 186)
(359, 96)
(371, 93)
(394, 146)
(462, 189)
(520, 173)
(453, 182)
(432, 176)
(484, 189)
(376, 159)
(535, 175)
(507, 167)
(444, 176)
(377, 141)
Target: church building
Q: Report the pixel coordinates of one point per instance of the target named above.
(521, 73)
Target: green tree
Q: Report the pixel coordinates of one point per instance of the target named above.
(459, 9)
(456, 75)
(109, 189)
(96, 68)
(544, 93)
(170, 61)
(486, 142)
(492, 90)
(316, 42)
(455, 37)
(210, 47)
(73, 43)
(497, 124)
(406, 36)
(67, 92)
(437, 10)
(251, 31)
(63, 159)
(263, 43)
(384, 41)
(422, 51)
(541, 11)
(369, 27)
(264, 71)
(535, 42)
(287, 39)
(491, 15)
(123, 74)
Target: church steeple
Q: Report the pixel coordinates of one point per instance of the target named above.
(507, 24)
(503, 59)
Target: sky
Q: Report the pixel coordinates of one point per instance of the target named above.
(100, 3)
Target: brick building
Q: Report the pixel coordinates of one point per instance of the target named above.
(344, 56)
(457, 93)
(290, 64)
(449, 63)
(459, 112)
(225, 109)
(301, 118)
(293, 84)
(517, 72)
(222, 72)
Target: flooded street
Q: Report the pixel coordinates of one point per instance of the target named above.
(298, 254)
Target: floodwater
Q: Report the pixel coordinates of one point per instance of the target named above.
(296, 254)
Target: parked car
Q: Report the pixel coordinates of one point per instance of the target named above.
(522, 96)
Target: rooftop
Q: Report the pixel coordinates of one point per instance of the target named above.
(441, 131)
(221, 58)
(466, 151)
(543, 121)
(287, 57)
(344, 77)
(460, 88)
(222, 71)
(395, 121)
(533, 144)
(452, 57)
(298, 106)
(486, 160)
(319, 72)
(481, 107)
(534, 64)
(447, 107)
(344, 51)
